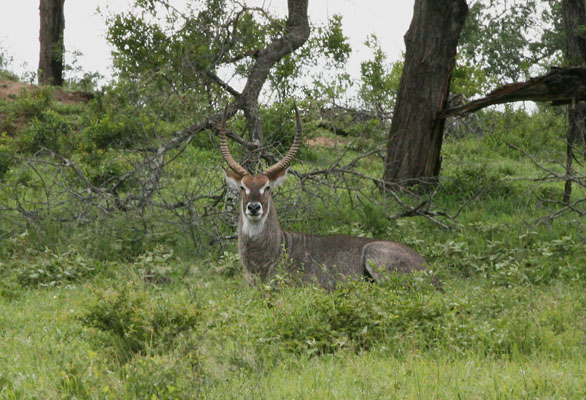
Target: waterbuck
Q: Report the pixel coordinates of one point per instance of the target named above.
(324, 260)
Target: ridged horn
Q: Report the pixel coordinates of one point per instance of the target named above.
(239, 169)
(286, 160)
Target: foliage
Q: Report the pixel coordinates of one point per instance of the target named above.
(5, 61)
(468, 79)
(49, 131)
(217, 38)
(510, 40)
(380, 81)
(53, 269)
(106, 295)
(133, 320)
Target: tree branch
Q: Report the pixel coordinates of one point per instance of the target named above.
(560, 86)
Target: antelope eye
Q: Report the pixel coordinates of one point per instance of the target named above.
(268, 188)
(242, 187)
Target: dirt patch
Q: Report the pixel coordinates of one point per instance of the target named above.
(324, 142)
(12, 90)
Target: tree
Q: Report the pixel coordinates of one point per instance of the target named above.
(575, 23)
(379, 80)
(416, 134)
(510, 39)
(188, 59)
(51, 39)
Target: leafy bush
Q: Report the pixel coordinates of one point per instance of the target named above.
(50, 130)
(115, 130)
(132, 319)
(279, 125)
(5, 61)
(356, 316)
(33, 102)
(505, 260)
(476, 181)
(408, 315)
(374, 219)
(6, 160)
(104, 168)
(162, 377)
(52, 269)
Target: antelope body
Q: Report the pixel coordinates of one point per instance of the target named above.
(324, 260)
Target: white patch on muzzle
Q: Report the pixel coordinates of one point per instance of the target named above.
(252, 226)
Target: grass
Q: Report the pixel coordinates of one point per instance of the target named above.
(138, 306)
(226, 340)
(377, 376)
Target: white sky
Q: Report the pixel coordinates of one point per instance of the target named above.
(85, 28)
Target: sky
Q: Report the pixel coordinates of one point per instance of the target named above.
(85, 28)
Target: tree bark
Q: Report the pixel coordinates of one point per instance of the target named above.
(416, 134)
(51, 40)
(559, 86)
(574, 12)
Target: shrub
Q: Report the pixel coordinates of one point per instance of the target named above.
(33, 103)
(119, 129)
(6, 160)
(357, 316)
(50, 130)
(162, 377)
(477, 181)
(133, 320)
(52, 269)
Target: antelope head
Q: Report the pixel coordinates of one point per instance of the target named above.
(255, 190)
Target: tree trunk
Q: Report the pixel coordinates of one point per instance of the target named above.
(51, 39)
(297, 33)
(416, 134)
(574, 12)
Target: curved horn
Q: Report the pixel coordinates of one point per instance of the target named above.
(284, 163)
(239, 169)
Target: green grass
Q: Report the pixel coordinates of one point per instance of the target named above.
(209, 336)
(378, 376)
(146, 304)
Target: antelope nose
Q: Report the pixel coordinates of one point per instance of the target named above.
(253, 208)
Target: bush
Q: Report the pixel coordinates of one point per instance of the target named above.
(477, 181)
(6, 160)
(112, 131)
(50, 130)
(407, 315)
(132, 319)
(51, 269)
(33, 103)
(357, 316)
(279, 126)
(162, 377)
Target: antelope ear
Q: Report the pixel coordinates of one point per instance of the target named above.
(278, 178)
(232, 179)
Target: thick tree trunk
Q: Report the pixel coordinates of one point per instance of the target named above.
(51, 39)
(415, 138)
(575, 21)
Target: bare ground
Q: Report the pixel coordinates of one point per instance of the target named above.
(12, 90)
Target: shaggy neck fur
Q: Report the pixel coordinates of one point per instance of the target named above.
(259, 242)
